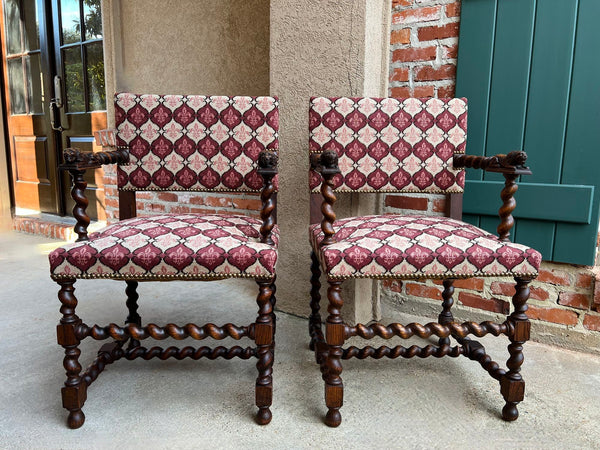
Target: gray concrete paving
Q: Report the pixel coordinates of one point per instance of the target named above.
(449, 403)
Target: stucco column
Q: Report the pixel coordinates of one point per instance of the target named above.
(328, 48)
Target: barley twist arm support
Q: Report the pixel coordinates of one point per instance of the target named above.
(326, 164)
(267, 169)
(77, 162)
(510, 166)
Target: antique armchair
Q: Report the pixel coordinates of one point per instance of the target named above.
(408, 145)
(177, 143)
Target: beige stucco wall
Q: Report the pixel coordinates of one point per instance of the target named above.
(330, 48)
(187, 46)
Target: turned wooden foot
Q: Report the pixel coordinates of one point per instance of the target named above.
(510, 411)
(263, 416)
(75, 419)
(333, 417)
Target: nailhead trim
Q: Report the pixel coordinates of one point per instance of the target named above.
(193, 190)
(434, 277)
(376, 191)
(153, 277)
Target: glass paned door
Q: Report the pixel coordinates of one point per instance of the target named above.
(33, 151)
(80, 63)
(81, 53)
(54, 87)
(23, 57)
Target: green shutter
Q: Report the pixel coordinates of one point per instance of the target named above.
(529, 70)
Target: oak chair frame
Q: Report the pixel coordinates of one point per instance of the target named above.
(126, 339)
(328, 347)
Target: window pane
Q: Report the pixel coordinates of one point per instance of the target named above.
(16, 87)
(93, 19)
(35, 86)
(32, 27)
(70, 20)
(74, 79)
(12, 23)
(95, 75)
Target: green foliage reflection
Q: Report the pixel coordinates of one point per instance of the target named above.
(75, 76)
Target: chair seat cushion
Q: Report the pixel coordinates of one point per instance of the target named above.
(182, 246)
(398, 246)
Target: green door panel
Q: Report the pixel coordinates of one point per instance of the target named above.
(526, 70)
(542, 201)
(581, 161)
(479, 19)
(537, 234)
(550, 72)
(552, 54)
(509, 87)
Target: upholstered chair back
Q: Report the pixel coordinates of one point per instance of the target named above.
(390, 145)
(194, 142)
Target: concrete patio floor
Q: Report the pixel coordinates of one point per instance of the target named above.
(431, 403)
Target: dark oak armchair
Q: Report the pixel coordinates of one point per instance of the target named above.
(409, 145)
(176, 143)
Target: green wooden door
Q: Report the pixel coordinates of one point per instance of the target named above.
(529, 69)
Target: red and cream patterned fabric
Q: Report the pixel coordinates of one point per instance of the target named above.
(398, 246)
(390, 145)
(194, 142)
(188, 246)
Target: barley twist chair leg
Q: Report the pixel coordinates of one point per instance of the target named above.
(446, 316)
(335, 336)
(132, 307)
(273, 304)
(314, 321)
(512, 385)
(264, 342)
(74, 391)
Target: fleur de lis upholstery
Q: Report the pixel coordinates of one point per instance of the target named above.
(408, 145)
(175, 143)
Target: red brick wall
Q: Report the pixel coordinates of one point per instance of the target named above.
(562, 294)
(424, 46)
(149, 203)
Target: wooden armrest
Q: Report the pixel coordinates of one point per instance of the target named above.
(75, 159)
(77, 162)
(513, 163)
(510, 166)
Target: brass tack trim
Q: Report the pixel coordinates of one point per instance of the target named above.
(192, 190)
(432, 277)
(153, 277)
(376, 191)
